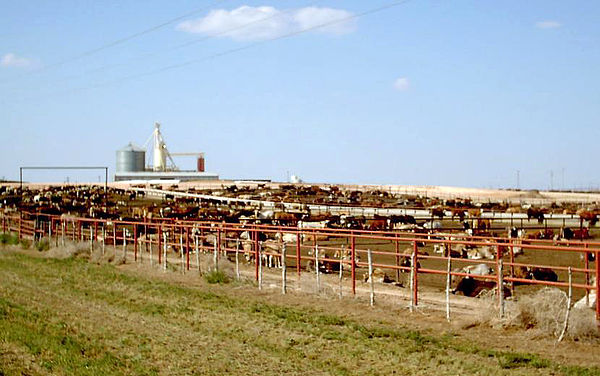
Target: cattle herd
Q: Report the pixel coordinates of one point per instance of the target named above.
(447, 220)
(114, 203)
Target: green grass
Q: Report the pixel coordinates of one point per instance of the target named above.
(72, 317)
(9, 239)
(216, 277)
(42, 245)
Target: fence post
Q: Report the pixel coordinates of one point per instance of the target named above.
(160, 238)
(91, 241)
(415, 269)
(397, 248)
(353, 262)
(187, 248)
(197, 253)
(62, 225)
(341, 277)
(448, 279)
(283, 269)
(215, 257)
(298, 257)
(260, 272)
(500, 288)
(412, 279)
(143, 249)
(598, 288)
(256, 254)
(20, 220)
(371, 279)
(135, 242)
(181, 252)
(512, 267)
(219, 239)
(237, 259)
(317, 268)
(124, 245)
(164, 251)
(569, 297)
(586, 265)
(149, 242)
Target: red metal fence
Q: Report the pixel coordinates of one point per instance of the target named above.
(381, 248)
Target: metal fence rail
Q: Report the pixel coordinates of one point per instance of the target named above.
(332, 250)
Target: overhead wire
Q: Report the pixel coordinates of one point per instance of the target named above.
(187, 44)
(238, 49)
(123, 39)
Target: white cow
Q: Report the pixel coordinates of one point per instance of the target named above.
(286, 237)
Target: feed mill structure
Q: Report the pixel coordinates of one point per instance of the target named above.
(132, 165)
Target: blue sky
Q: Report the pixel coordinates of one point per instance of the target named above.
(430, 92)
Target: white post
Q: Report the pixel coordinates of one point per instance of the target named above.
(197, 253)
(149, 240)
(103, 239)
(164, 251)
(237, 260)
(569, 297)
(215, 258)
(91, 241)
(260, 272)
(371, 279)
(341, 277)
(412, 281)
(124, 246)
(181, 252)
(283, 270)
(62, 225)
(448, 279)
(500, 289)
(317, 269)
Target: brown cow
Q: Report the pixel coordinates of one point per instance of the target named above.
(588, 215)
(536, 214)
(460, 213)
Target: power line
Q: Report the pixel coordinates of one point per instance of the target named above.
(239, 49)
(123, 39)
(186, 44)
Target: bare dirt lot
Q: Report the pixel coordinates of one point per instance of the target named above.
(72, 316)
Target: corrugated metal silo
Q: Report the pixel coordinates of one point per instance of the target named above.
(131, 159)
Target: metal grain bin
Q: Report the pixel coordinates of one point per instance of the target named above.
(131, 159)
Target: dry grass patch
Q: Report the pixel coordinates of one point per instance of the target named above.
(76, 317)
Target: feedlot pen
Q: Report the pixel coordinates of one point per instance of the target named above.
(406, 260)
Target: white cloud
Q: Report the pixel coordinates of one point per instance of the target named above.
(265, 22)
(12, 60)
(402, 84)
(548, 24)
(311, 17)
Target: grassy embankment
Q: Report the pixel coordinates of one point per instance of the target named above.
(72, 317)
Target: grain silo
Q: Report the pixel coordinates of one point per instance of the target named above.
(131, 159)
(131, 164)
